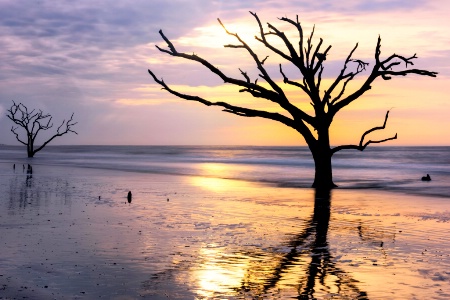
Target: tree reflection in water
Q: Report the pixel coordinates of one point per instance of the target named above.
(320, 274)
(22, 192)
(36, 191)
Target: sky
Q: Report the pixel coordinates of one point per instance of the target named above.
(91, 58)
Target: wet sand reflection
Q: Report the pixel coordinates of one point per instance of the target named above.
(28, 190)
(320, 273)
(303, 263)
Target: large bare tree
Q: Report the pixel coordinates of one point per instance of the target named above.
(34, 122)
(308, 60)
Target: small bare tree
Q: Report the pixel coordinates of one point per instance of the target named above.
(33, 122)
(309, 62)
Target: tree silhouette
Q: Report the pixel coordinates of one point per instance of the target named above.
(34, 122)
(309, 61)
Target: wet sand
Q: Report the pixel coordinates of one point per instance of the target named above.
(70, 233)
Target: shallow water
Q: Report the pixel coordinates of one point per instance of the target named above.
(70, 233)
(396, 169)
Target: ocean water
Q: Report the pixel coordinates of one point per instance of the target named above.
(390, 168)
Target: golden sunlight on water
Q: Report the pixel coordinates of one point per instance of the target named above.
(214, 179)
(218, 272)
(215, 169)
(215, 184)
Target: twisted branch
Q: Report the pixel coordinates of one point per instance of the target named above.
(383, 69)
(363, 145)
(275, 95)
(237, 110)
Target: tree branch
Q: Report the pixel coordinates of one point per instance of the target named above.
(381, 69)
(276, 95)
(307, 69)
(304, 64)
(363, 145)
(294, 83)
(13, 130)
(282, 97)
(69, 123)
(293, 54)
(241, 111)
(342, 76)
(321, 57)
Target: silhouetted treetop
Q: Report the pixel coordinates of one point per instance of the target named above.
(34, 122)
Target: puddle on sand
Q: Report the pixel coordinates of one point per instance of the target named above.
(73, 235)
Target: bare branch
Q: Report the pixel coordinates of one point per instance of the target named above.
(319, 77)
(242, 111)
(297, 25)
(294, 83)
(282, 98)
(227, 107)
(363, 145)
(341, 75)
(349, 77)
(68, 128)
(276, 95)
(387, 75)
(321, 57)
(13, 130)
(308, 49)
(385, 66)
(293, 54)
(381, 69)
(264, 60)
(245, 75)
(307, 66)
(234, 46)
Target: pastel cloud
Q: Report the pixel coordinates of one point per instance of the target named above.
(91, 58)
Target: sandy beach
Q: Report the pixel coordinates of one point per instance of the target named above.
(70, 233)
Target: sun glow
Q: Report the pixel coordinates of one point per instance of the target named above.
(214, 36)
(213, 178)
(216, 277)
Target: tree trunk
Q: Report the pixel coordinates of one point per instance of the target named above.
(30, 147)
(323, 179)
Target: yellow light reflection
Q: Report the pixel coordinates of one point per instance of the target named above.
(215, 169)
(218, 184)
(213, 184)
(213, 178)
(219, 273)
